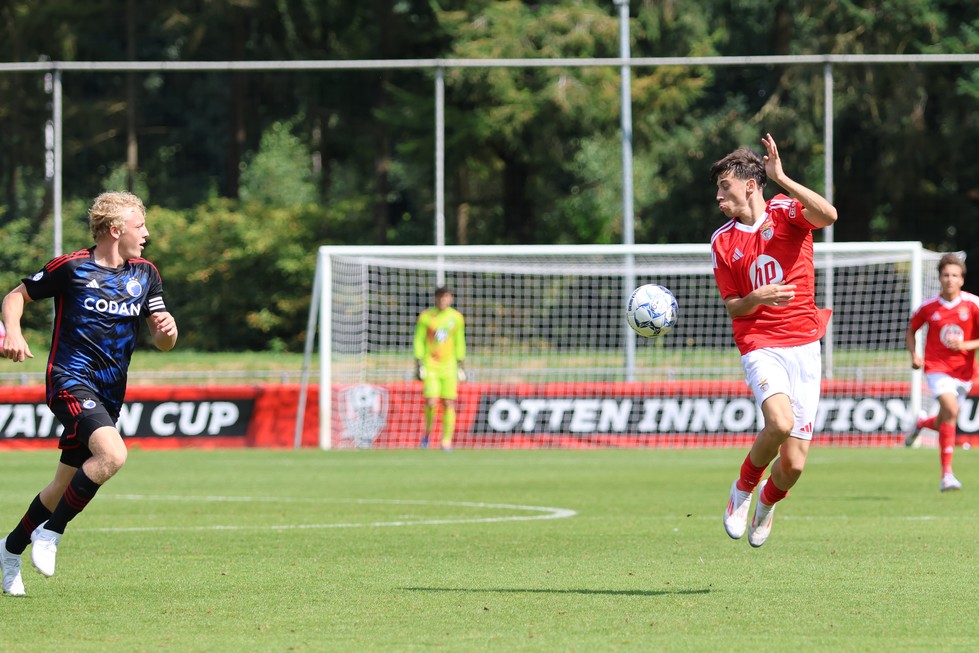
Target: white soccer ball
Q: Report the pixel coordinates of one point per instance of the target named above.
(651, 310)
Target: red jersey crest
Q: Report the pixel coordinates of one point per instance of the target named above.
(767, 229)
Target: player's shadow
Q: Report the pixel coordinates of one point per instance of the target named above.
(518, 590)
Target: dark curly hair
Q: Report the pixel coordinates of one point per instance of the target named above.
(744, 163)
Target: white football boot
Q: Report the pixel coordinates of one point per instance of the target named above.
(949, 482)
(915, 430)
(761, 523)
(13, 584)
(736, 513)
(44, 549)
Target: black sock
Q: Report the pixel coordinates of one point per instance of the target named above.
(80, 491)
(20, 537)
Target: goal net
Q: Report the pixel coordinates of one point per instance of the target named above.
(552, 363)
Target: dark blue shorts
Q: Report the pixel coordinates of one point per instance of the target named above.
(81, 412)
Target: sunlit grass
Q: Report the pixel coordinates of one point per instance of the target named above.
(415, 550)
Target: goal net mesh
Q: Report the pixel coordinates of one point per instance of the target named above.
(551, 361)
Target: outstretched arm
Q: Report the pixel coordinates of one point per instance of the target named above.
(818, 211)
(14, 346)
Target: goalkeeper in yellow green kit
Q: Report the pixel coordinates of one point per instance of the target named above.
(440, 348)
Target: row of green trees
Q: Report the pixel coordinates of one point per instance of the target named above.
(246, 173)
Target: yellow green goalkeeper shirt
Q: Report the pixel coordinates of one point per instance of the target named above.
(440, 338)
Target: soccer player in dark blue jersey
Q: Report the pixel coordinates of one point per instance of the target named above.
(101, 295)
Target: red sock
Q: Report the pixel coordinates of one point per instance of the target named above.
(771, 494)
(928, 423)
(750, 475)
(946, 445)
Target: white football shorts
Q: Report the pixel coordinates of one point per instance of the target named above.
(793, 371)
(940, 384)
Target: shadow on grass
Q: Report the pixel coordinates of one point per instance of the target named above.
(518, 590)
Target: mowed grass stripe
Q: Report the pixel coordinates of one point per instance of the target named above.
(866, 554)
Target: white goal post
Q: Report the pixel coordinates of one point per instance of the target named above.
(553, 364)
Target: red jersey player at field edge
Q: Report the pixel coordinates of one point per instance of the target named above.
(763, 265)
(949, 361)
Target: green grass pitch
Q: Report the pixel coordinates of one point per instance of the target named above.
(494, 550)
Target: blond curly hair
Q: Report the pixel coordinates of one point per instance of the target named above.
(111, 210)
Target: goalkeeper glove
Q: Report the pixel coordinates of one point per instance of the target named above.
(461, 373)
(419, 370)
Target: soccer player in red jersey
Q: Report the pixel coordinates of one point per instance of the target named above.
(763, 265)
(950, 360)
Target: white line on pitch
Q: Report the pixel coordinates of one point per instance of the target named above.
(545, 513)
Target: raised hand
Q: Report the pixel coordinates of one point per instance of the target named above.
(773, 162)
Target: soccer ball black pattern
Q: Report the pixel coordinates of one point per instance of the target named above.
(651, 310)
